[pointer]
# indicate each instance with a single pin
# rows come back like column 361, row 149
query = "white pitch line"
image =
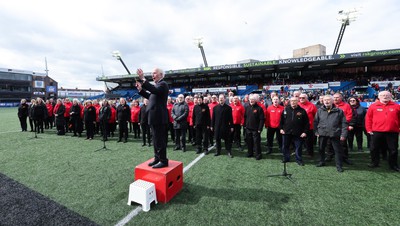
column 138, row 209
column 10, row 132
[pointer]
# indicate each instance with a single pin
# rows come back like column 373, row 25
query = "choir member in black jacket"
column 201, row 123
column 123, row 116
column 23, row 114
column 59, row 110
column 254, row 122
column 89, row 116
column 222, row 125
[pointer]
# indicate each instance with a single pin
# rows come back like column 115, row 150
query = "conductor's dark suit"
column 157, row 116
column 222, row 123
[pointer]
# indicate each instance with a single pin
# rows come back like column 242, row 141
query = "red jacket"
column 237, row 113
column 211, row 107
column 347, row 110
column 311, row 110
column 67, row 108
column 135, row 110
column 273, row 116
column 49, row 110
column 169, row 107
column 113, row 117
column 190, row 115
column 264, row 110
column 383, row 118
column 97, row 106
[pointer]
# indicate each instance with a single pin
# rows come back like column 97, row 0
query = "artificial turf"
column 216, row 191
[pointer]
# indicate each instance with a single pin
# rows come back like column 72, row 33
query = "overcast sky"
column 77, row 37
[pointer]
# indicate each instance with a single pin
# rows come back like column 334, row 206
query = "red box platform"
column 168, row 180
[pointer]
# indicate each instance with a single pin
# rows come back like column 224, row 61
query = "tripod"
column 283, row 174
column 104, row 139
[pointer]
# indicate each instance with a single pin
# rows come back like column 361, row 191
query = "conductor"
column 157, row 95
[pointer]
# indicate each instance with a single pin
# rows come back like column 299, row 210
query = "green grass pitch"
column 216, row 191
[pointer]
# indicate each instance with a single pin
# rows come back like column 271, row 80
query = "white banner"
column 213, row 90
column 385, row 83
column 334, row 84
column 297, row 87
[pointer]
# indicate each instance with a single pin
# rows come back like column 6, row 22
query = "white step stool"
column 142, row 192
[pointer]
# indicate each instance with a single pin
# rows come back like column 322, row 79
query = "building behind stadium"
column 22, row 84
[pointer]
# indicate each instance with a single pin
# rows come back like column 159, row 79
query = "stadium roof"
column 358, row 59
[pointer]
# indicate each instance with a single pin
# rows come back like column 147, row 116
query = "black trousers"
column 309, row 142
column 225, row 136
column 89, row 129
column 180, row 138
column 123, row 129
column 358, row 133
column 236, row 134
column 253, row 140
column 337, row 148
column 76, row 125
column 170, row 129
column 270, row 137
column 22, row 121
column 136, row 129
column 39, row 125
column 159, row 142
column 202, row 137
column 67, row 123
column 381, row 140
column 105, row 129
column 32, row 124
column 345, row 151
column 211, row 136
column 146, row 133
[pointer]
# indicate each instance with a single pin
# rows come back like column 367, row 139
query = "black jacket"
column 222, row 120
column 23, row 110
column 294, row 121
column 254, row 117
column 179, row 114
column 89, row 114
column 157, row 108
column 331, row 123
column 105, row 113
column 123, row 113
column 359, row 115
column 143, row 117
column 39, row 111
column 201, row 115
column 76, row 111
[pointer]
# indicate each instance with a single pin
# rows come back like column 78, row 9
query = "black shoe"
column 230, row 155
column 347, row 161
column 177, row 148
column 184, row 149
column 216, row 154
column 339, row 169
column 153, row 163
column 125, row 141
column 249, row 155
column 300, row 163
column 285, row 161
column 372, row 165
column 259, row 157
column 269, row 151
column 119, row 140
column 160, row 165
column 149, row 145
column 206, row 151
column 72, row 135
column 328, row 159
column 320, row 164
column 395, row 168
column 143, row 145
column 198, row 151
